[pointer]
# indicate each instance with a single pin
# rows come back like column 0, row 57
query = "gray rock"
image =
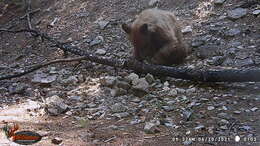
column 223, row 122
column 199, row 127
column 83, row 14
column 232, row 32
column 237, row 13
column 54, row 92
column 149, row 78
column 217, row 60
column 73, row 80
column 118, row 108
column 191, row 90
column 123, row 85
column 246, row 128
column 136, row 100
column 219, row 2
column 44, row 78
column 132, row 77
column 100, row 52
column 96, row 41
column 3, row 90
column 150, row 127
column 18, row 88
column 187, row 114
column 55, row 105
column 187, row 142
column 224, row 116
column 153, row 3
column 254, row 109
column 77, row 98
column 91, row 105
column 224, row 127
column 244, row 62
column 237, row 112
column 180, row 91
column 166, row 85
column 256, row 12
column 187, row 29
column 204, row 100
column 234, row 44
column 121, row 115
column 149, row 97
column 197, row 43
column 118, row 92
column 210, row 108
column 224, row 108
column 168, row 108
column 53, row 70
column 228, row 62
column 108, row 81
column 135, row 121
column 141, row 85
column 171, row 102
column 173, row 93
column 102, row 24
column 183, row 98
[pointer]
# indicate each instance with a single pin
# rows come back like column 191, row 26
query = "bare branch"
column 224, row 75
column 30, row 12
column 38, row 66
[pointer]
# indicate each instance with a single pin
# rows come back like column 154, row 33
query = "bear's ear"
column 126, row 28
column 144, row 29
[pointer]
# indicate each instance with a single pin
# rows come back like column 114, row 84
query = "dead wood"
column 38, row 66
column 224, row 75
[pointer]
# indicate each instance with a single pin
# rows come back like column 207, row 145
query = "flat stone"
column 187, row 29
column 102, row 24
column 118, row 92
column 96, row 41
column 244, row 62
column 117, row 108
column 210, row 108
column 237, row 13
column 100, row 52
column 256, row 12
column 108, row 81
column 121, row 115
column 168, row 108
column 44, row 78
column 199, row 127
column 141, row 84
column 149, row 78
column 131, row 77
column 232, row 32
column 254, row 109
column 173, row 93
column 150, row 127
column 219, row 2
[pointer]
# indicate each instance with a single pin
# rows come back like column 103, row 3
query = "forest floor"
column 85, row 103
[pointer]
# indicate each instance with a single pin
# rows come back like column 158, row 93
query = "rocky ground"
column 84, row 103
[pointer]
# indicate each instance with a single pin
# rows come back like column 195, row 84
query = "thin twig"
column 38, row 66
column 30, row 13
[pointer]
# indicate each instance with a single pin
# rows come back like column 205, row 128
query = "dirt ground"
column 95, row 24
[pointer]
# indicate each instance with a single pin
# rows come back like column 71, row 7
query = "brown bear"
column 156, row 36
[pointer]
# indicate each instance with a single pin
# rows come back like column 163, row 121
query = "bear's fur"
column 157, row 37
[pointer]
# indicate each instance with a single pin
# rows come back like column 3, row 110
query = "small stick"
column 38, row 66
column 30, row 12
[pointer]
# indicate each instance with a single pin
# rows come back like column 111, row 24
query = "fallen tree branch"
column 38, row 66
column 224, row 75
